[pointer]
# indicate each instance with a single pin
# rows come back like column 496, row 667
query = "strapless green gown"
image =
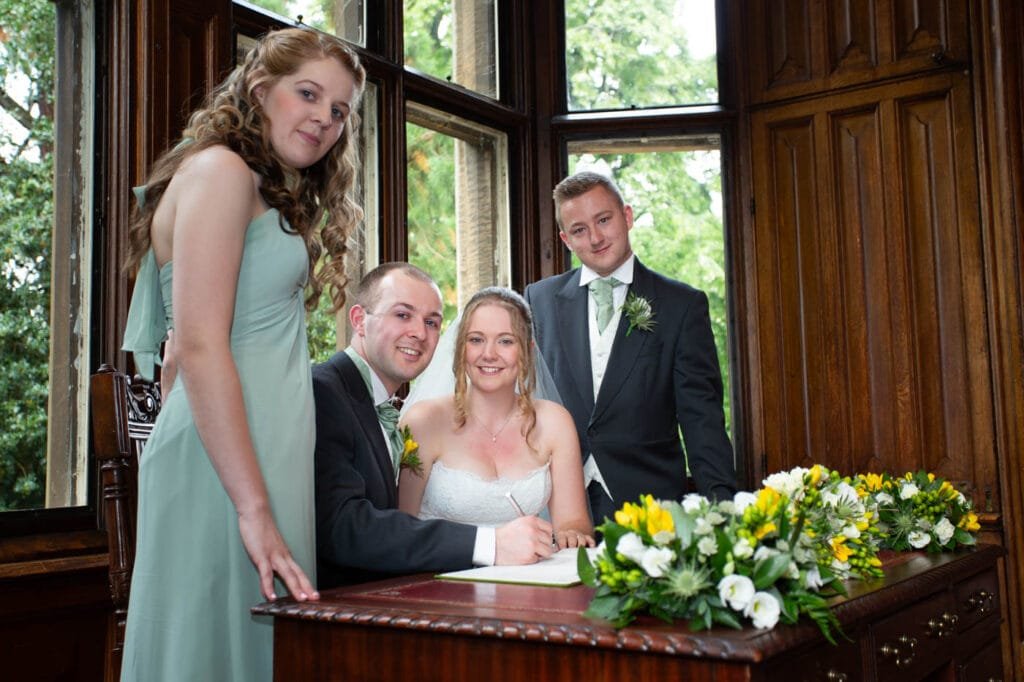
column 193, row 583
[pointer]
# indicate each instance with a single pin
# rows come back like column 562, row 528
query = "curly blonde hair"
column 315, row 201
column 522, row 329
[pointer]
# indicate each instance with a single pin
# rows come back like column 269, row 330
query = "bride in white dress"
column 490, row 450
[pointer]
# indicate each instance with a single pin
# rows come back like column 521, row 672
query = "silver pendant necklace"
column 494, row 435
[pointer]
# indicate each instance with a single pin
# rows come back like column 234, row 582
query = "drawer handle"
column 835, row 676
column 980, row 601
column 943, row 626
column 902, row 652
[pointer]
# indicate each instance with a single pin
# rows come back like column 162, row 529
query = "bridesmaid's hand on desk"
column 270, row 556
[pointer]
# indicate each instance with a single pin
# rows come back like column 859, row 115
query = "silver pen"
column 519, row 510
column 515, row 505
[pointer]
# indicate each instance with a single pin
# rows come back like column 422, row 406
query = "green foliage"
column 430, row 175
column 26, row 217
column 428, row 36
column 622, row 54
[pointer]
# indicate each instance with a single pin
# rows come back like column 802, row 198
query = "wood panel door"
column 869, row 311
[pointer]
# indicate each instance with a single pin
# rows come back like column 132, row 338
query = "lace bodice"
column 460, row 495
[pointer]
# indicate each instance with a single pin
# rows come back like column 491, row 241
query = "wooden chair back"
column 123, row 412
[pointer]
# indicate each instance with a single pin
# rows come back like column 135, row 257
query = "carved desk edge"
column 915, row 576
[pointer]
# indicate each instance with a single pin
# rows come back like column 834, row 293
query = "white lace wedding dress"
column 463, row 496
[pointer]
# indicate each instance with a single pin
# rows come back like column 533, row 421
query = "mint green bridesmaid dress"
column 193, row 583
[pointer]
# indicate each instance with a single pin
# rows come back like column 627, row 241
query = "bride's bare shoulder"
column 548, row 409
column 429, row 411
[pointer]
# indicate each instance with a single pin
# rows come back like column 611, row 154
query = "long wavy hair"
column 315, row 201
column 522, row 329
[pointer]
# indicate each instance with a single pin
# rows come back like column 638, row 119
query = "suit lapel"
column 625, row 349
column 367, row 421
column 571, row 308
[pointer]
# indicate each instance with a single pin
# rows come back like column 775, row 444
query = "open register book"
column 559, row 570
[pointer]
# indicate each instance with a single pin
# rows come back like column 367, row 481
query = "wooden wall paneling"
column 871, row 299
column 805, row 47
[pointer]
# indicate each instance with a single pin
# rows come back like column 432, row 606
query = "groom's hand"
column 522, row 541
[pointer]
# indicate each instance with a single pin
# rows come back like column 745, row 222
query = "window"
column 344, row 18
column 453, row 40
column 458, row 205
column 46, row 57
column 622, row 54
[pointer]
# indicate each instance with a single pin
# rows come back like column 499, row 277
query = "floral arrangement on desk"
column 776, row 554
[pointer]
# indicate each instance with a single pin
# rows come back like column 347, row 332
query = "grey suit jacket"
column 360, row 533
column 656, row 383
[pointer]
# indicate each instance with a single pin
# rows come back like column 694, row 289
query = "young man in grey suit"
column 361, row 535
column 630, row 390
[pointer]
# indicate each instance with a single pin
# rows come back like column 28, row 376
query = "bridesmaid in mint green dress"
column 226, row 236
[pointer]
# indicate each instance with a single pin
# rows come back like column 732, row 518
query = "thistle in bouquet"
column 920, row 511
column 710, row 563
column 842, row 529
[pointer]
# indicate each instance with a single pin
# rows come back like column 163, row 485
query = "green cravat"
column 602, row 289
column 388, row 416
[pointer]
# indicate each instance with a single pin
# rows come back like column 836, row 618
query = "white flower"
column 908, row 490
column 703, row 526
column 763, row 610
column 692, row 502
column 792, row 571
column 884, row 498
column 764, row 552
column 943, row 530
column 918, row 539
column 707, row 545
column 812, row 580
column 632, row 547
column 663, row 537
column 960, row 499
column 737, row 591
column 727, row 507
column 742, row 549
column 714, row 518
column 742, row 500
column 786, row 482
column 656, row 560
column 851, row 532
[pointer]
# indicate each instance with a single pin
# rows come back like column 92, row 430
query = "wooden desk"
column 933, row 617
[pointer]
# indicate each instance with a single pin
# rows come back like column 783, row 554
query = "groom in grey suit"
column 630, row 390
column 360, row 533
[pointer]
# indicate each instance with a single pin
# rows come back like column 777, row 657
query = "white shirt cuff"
column 484, row 547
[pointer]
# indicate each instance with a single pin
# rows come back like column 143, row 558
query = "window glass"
column 457, row 204
column 45, row 265
column 676, row 195
column 453, row 40
column 622, row 54
column 344, row 18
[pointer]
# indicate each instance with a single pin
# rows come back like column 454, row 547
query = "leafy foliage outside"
column 26, row 217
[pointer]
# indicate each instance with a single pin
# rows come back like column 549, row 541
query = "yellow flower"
column 815, row 474
column 410, row 446
column 764, row 529
column 969, row 522
column 629, row 516
column 658, row 518
column 839, row 548
column 873, row 482
column 768, row 501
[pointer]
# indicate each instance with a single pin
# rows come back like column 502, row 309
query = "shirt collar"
column 623, row 273
column 374, row 385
